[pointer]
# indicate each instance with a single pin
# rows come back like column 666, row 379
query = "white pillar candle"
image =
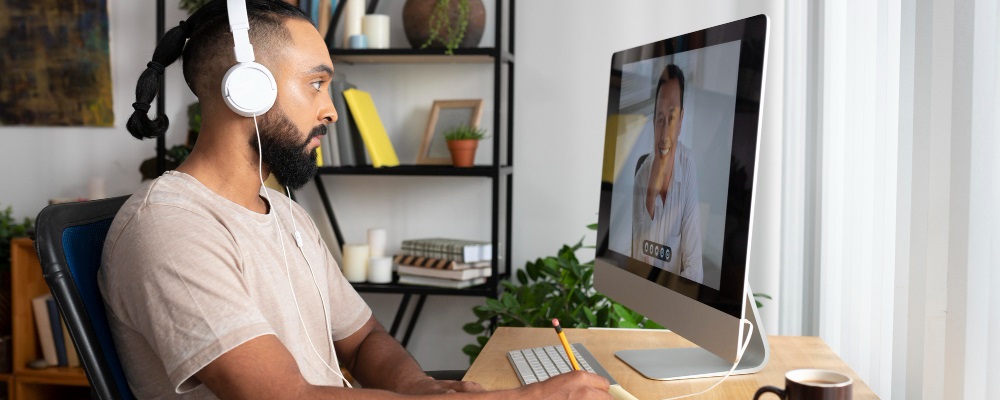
column 354, row 10
column 355, row 266
column 376, row 27
column 376, row 242
column 380, row 270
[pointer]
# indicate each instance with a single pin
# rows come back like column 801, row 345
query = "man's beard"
column 287, row 159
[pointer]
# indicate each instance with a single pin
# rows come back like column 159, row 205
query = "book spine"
column 344, row 135
column 462, row 251
column 423, row 262
column 44, row 328
column 57, row 336
column 72, row 357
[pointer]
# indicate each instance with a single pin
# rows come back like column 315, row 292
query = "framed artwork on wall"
column 56, row 64
column 446, row 114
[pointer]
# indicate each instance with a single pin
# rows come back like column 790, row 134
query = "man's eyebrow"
column 321, row 68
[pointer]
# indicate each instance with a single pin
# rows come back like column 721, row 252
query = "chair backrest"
column 69, row 240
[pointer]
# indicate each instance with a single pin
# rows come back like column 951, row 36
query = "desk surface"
column 493, row 371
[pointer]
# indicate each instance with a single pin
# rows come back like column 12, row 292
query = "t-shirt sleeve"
column 187, row 295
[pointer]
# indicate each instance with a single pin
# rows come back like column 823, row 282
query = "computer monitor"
column 677, row 190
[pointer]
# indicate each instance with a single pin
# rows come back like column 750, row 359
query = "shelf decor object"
column 444, row 24
column 446, row 115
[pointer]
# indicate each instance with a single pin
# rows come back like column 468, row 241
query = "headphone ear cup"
column 249, row 89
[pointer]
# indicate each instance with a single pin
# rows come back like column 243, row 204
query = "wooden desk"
column 493, row 371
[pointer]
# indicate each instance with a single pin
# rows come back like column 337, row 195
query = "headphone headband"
column 239, row 25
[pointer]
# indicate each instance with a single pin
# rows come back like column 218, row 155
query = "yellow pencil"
column 565, row 343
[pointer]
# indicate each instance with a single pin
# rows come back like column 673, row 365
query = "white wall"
column 563, row 54
column 40, row 163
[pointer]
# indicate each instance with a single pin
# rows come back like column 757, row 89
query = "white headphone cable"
column 323, row 302
column 260, row 174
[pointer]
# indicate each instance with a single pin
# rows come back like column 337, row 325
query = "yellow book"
column 370, row 126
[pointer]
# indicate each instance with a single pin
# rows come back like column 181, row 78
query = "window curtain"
column 891, row 186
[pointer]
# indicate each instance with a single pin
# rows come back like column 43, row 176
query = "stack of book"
column 53, row 338
column 429, row 271
column 463, row 251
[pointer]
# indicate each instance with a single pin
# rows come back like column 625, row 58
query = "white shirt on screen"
column 674, row 223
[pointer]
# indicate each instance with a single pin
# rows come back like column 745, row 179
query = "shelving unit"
column 500, row 172
column 25, row 383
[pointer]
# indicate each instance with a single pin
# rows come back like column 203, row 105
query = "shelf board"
column 70, row 376
column 418, row 170
column 479, row 290
column 479, row 55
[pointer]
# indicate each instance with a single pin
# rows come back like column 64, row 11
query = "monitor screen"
column 679, row 161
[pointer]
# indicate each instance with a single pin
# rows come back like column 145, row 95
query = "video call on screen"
column 681, row 230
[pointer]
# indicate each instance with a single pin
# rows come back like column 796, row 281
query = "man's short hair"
column 670, row 72
column 209, row 52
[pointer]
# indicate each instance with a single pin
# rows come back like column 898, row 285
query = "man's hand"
column 575, row 385
column 432, row 386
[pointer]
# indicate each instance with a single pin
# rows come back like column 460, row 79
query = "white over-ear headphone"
column 248, row 88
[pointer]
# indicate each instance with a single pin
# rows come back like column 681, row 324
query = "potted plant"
column 462, row 143
column 447, row 24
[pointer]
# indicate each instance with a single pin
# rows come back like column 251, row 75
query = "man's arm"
column 262, row 368
column 378, row 361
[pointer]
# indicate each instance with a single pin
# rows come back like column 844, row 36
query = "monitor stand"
column 695, row 362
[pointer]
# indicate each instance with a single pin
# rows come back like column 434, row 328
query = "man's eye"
column 316, row 85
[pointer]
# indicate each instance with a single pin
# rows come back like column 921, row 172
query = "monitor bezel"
column 729, row 298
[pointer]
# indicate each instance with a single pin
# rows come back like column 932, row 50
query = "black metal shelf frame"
column 500, row 173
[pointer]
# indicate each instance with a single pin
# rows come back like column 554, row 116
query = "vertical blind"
column 900, row 128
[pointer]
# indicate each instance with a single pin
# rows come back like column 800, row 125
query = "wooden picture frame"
column 446, row 114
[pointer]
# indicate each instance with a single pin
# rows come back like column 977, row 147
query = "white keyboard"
column 540, row 363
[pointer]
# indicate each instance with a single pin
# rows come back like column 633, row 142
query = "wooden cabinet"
column 25, row 383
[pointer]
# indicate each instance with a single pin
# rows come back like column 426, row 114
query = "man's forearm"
column 383, row 357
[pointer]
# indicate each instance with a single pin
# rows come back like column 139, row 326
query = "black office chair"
column 69, row 239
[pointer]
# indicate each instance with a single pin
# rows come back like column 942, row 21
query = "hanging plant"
column 441, row 21
column 447, row 24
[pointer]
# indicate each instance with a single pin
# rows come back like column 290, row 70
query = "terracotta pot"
column 417, row 23
column 463, row 152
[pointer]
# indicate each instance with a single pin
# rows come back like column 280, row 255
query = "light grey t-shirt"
column 188, row 275
column 674, row 223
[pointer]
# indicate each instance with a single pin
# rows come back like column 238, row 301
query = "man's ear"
column 680, row 122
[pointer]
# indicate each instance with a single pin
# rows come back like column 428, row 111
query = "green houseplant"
column 462, row 143
column 557, row 286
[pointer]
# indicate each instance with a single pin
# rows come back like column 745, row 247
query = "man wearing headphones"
column 217, row 287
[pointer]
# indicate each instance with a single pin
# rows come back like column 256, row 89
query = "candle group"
column 368, row 261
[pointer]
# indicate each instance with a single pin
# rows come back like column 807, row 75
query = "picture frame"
column 444, row 115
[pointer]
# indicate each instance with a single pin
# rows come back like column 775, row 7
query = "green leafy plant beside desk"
column 555, row 287
column 552, row 287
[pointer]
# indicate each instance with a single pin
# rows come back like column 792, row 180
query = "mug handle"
column 772, row 389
